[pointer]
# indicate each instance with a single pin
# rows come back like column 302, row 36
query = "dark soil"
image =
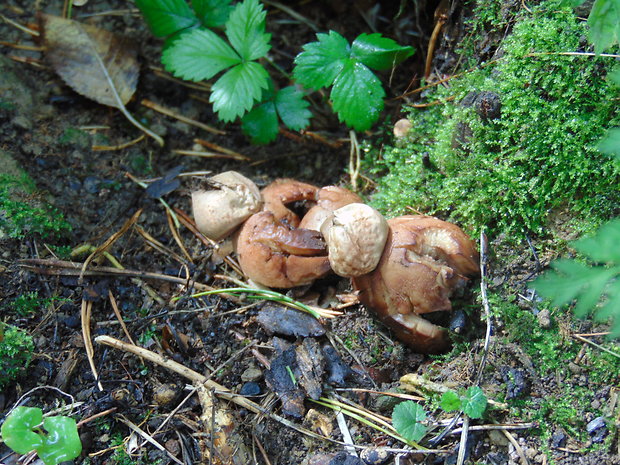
column 214, row 336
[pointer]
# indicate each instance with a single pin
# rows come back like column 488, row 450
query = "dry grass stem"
column 173, row 114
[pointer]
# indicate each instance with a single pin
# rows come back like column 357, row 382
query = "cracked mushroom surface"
column 424, row 261
column 272, row 250
column 227, row 201
column 328, row 199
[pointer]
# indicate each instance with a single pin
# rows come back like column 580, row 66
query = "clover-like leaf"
column 378, row 52
column 198, row 54
column 604, row 22
column 406, row 418
column 293, row 108
column 17, row 430
column 166, row 17
column 238, row 90
column 357, row 96
column 321, row 62
column 212, row 13
column 245, row 30
column 450, row 401
column 62, row 441
column 474, row 402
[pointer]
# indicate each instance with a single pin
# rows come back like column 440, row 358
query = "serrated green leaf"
column 564, row 283
column 166, row 17
column 357, row 96
column 611, row 143
column 261, row 123
column 450, row 401
column 571, row 3
column 611, row 308
column 614, row 75
column 293, row 108
column 198, row 54
column 603, row 247
column 62, row 441
column 604, row 22
column 590, row 294
column 245, row 30
column 238, row 89
column 17, row 430
column 322, row 61
column 406, row 418
column 212, row 13
column 378, row 52
column 474, row 402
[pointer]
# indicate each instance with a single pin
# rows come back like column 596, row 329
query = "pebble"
column 558, row 439
column 544, row 319
column 251, row 374
column 597, row 429
column 375, row 456
column 250, row 389
column 165, row 394
column 498, row 438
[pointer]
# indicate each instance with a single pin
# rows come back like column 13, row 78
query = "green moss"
column 21, row 213
column 536, row 161
column 16, row 348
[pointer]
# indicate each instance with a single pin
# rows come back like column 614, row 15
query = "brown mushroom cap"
column 424, row 260
column 283, row 192
column 355, row 235
column 231, row 199
column 273, row 254
column 328, row 199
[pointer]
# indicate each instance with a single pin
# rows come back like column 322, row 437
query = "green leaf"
column 602, row 247
column 378, row 52
column 17, row 430
column 165, row 17
column 614, row 75
column 198, row 54
column 261, row 123
column 212, row 13
column 474, row 402
column 611, row 143
column 357, row 96
column 62, row 442
column 406, row 418
column 611, row 308
column 245, row 30
column 321, row 62
column 293, row 108
column 562, row 284
column 604, row 22
column 450, row 401
column 238, row 89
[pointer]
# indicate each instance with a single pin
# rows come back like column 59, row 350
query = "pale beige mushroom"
column 355, row 235
column 424, row 261
column 327, row 200
column 229, row 199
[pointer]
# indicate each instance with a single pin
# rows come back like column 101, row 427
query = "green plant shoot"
column 356, row 95
column 473, row 403
column 168, row 17
column 55, row 439
column 594, row 286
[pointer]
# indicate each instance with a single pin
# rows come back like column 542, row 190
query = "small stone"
column 172, row 446
column 402, row 127
column 318, row 422
column 574, row 368
column 597, row 429
column 544, row 319
column 596, row 404
column 251, row 374
column 498, row 438
column 250, row 389
column 375, row 456
column 558, row 439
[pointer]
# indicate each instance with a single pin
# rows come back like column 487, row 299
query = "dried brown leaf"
column 94, row 62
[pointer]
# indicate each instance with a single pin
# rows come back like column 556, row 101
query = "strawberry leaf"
column 293, row 108
column 378, row 52
column 212, row 13
column 406, row 418
column 474, row 402
column 604, row 22
column 321, row 62
column 357, row 96
column 166, row 17
column 245, row 30
column 450, row 401
column 238, row 89
column 611, row 143
column 198, row 54
column 261, row 123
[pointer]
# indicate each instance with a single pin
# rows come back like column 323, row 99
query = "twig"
column 354, row 160
column 460, row 459
column 199, row 153
column 147, row 437
column 594, row 344
column 173, row 114
column 119, row 317
column 85, row 314
column 173, row 225
column 15, row 24
column 485, row 305
column 496, row 427
column 346, row 434
column 518, row 448
column 219, row 148
column 101, row 148
column 95, row 416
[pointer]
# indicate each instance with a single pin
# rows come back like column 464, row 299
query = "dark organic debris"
column 516, row 383
column 250, row 389
column 280, row 378
column 345, row 459
column 597, row 429
column 375, row 456
column 458, row 321
column 289, row 322
column 337, row 370
column 166, row 184
column 558, row 439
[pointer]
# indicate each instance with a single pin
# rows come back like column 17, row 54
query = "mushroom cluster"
column 292, row 233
